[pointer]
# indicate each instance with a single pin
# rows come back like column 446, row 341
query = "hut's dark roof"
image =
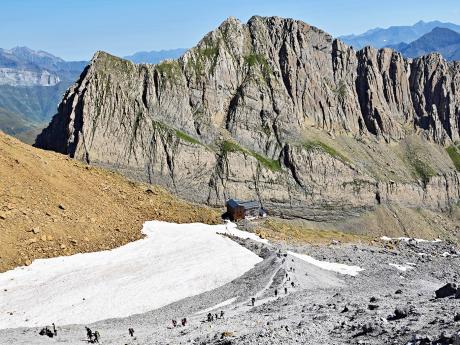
column 246, row 204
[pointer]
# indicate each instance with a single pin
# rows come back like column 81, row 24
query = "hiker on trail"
column 46, row 331
column 216, row 316
column 174, row 322
column 292, row 284
column 285, row 290
column 131, row 332
column 253, row 301
column 276, row 292
column 184, row 322
column 209, row 317
column 54, row 329
column 89, row 334
column 96, row 337
column 287, row 275
column 222, row 314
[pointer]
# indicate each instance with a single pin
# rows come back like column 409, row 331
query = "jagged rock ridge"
column 273, row 109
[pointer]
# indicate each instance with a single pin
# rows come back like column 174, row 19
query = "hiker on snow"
column 89, row 334
column 131, row 332
column 253, row 300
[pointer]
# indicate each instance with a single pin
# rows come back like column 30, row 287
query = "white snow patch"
column 447, row 254
column 402, row 267
column 231, row 229
column 329, row 266
column 407, row 239
column 172, row 262
column 220, row 305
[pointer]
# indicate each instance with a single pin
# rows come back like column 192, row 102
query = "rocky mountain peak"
column 274, row 109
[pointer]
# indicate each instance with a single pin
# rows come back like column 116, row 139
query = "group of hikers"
column 212, row 317
column 48, row 332
column 183, row 322
column 93, row 337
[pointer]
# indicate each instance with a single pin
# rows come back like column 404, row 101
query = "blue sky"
column 76, row 29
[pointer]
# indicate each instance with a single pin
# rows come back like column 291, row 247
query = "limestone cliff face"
column 273, row 109
column 15, row 77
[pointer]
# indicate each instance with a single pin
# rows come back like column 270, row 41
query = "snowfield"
column 329, row 266
column 407, row 239
column 172, row 262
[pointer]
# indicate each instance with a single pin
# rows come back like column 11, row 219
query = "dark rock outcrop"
column 447, row 290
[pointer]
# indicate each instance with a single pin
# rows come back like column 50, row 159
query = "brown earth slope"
column 51, row 205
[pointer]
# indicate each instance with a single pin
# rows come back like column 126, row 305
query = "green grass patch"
column 209, row 51
column 454, row 154
column 289, row 231
column 318, row 145
column 185, row 137
column 253, row 60
column 422, row 170
column 176, row 133
column 271, row 164
column 170, row 70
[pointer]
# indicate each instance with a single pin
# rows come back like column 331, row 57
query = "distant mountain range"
column 154, row 56
column 32, row 84
column 394, row 35
column 439, row 40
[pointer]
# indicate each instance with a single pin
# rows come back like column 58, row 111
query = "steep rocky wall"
column 277, row 110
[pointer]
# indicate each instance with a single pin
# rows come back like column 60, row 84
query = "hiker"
column 174, row 322
column 131, row 332
column 209, row 317
column 253, row 300
column 46, row 331
column 96, row 337
column 184, row 322
column 54, row 329
column 292, row 284
column 49, row 333
column 285, row 290
column 216, row 316
column 89, row 334
column 276, row 292
column 222, row 314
